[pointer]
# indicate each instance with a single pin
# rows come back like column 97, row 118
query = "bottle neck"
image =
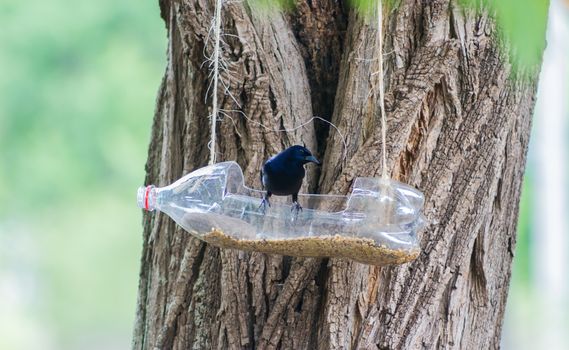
column 146, row 197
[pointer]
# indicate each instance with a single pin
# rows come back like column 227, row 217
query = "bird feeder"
column 376, row 224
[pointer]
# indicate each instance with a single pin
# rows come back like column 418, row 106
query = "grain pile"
column 364, row 250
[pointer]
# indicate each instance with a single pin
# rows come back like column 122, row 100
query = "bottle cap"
column 146, row 198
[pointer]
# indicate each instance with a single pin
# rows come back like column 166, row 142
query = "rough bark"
column 458, row 128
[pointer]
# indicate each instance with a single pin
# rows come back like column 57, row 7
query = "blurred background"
column 78, row 84
column 78, row 81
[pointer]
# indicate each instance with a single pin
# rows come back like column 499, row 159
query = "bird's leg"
column 265, row 202
column 295, row 206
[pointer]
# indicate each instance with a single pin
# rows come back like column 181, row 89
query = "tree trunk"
column 458, row 129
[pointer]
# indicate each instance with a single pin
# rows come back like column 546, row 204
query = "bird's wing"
column 263, row 174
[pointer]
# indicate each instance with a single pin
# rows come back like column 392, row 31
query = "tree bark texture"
column 458, row 129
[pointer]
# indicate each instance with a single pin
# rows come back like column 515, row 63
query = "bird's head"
column 301, row 154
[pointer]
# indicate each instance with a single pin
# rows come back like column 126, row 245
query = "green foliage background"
column 78, row 81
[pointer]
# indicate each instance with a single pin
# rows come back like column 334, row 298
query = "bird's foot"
column 264, row 204
column 295, row 209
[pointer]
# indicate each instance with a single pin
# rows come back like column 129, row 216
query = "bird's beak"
column 312, row 159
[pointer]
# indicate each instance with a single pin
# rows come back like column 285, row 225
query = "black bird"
column 282, row 174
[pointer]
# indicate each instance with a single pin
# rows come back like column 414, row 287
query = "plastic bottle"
column 376, row 224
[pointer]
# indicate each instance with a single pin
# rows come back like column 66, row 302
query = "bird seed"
column 363, row 250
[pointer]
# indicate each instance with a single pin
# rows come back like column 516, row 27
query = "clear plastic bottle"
column 376, row 224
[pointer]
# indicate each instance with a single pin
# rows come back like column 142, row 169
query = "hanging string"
column 216, row 49
column 216, row 62
column 381, row 88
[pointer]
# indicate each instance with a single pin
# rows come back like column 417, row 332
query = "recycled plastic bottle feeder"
column 376, row 224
